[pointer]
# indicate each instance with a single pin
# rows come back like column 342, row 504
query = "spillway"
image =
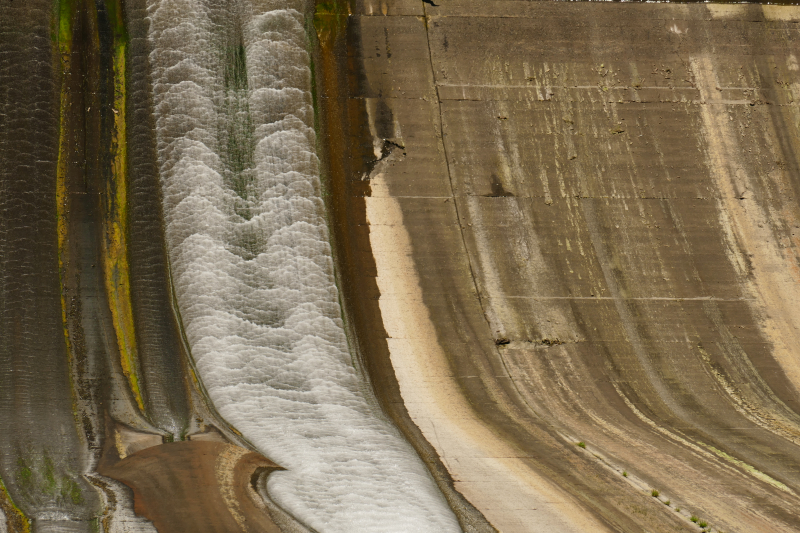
column 253, row 270
column 283, row 266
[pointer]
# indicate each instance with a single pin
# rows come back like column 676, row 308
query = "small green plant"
column 703, row 524
column 694, row 519
column 677, row 509
column 624, row 473
column 582, row 444
column 666, row 502
column 654, row 493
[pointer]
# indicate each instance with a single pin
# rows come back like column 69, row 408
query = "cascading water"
column 252, row 266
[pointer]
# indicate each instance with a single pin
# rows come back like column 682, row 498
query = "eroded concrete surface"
column 578, row 223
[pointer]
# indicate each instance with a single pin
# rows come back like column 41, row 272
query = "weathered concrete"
column 66, row 407
column 583, row 226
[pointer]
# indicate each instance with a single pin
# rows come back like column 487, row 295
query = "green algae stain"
column 236, row 68
column 49, row 477
column 63, row 14
column 65, row 11
column 16, row 521
column 72, row 491
column 330, row 18
column 115, row 242
column 39, row 480
column 24, row 474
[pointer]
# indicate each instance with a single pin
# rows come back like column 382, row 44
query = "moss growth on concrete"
column 39, row 479
column 115, row 243
column 330, row 19
column 16, row 521
column 64, row 13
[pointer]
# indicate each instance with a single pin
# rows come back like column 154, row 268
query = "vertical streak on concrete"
column 771, row 280
column 115, row 205
column 166, row 378
column 625, row 316
column 43, row 454
column 486, row 470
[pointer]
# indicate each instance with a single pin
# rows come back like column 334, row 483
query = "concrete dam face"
column 399, row 266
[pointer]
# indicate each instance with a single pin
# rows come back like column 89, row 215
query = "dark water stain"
column 163, row 359
column 498, row 191
column 347, row 152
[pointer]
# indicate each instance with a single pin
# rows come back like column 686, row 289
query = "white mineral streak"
column 256, row 292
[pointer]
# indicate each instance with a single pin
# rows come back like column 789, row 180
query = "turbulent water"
column 253, row 271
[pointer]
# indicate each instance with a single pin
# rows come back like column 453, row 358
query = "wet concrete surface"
column 43, row 451
column 162, row 355
column 599, row 206
column 68, row 412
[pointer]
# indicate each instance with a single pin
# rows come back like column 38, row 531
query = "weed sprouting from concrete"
column 582, row 444
column 654, row 493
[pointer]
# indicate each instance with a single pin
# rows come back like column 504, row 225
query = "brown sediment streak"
column 702, row 449
column 115, row 245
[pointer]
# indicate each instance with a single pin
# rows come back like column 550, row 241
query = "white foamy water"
column 253, row 272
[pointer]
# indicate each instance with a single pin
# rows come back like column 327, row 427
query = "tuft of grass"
column 677, row 509
column 624, row 473
column 654, row 493
column 703, row 524
column 694, row 519
column 582, row 444
column 666, row 502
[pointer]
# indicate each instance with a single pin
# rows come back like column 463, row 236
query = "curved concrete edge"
column 486, row 470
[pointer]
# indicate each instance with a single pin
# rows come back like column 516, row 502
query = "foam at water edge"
column 253, row 270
